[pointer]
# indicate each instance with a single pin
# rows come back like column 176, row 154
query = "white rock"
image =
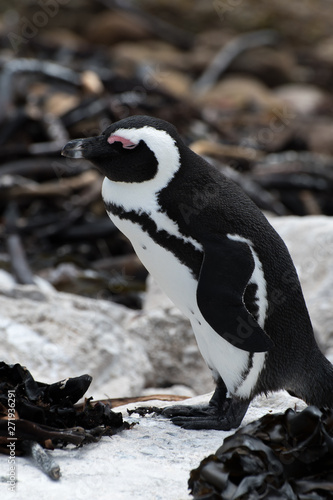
column 171, row 348
column 58, row 335
column 302, row 98
column 175, row 390
column 6, row 280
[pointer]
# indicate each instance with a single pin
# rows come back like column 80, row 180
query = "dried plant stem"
column 42, row 459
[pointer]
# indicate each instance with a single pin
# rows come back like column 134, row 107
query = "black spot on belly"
column 144, row 247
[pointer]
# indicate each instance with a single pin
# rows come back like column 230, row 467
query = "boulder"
column 57, row 335
column 171, row 345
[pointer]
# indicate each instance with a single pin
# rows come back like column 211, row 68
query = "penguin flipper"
column 225, row 273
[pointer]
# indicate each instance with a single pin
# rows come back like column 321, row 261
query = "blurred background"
column 248, row 83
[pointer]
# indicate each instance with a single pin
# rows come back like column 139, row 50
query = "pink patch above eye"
column 126, row 143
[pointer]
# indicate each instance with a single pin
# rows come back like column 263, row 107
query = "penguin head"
column 138, row 149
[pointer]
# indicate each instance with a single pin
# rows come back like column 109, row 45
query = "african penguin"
column 217, row 257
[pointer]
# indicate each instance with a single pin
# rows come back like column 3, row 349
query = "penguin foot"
column 209, row 416
column 196, row 417
column 186, row 411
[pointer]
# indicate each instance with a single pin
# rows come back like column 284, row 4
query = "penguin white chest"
column 174, row 278
column 177, row 281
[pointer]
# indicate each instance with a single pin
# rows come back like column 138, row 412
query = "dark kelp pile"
column 287, row 456
column 33, row 413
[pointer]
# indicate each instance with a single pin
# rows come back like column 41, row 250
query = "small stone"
column 6, row 280
column 319, row 138
column 304, row 99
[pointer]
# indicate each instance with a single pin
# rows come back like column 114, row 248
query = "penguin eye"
column 126, row 143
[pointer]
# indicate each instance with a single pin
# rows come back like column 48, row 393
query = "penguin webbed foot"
column 220, row 414
column 186, row 411
column 196, row 417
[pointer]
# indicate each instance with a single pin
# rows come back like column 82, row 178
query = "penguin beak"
column 74, row 149
column 88, row 148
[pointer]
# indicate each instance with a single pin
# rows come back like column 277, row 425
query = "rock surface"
column 59, row 335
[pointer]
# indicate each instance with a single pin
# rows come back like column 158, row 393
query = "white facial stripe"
column 142, row 195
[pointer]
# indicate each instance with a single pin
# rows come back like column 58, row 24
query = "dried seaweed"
column 146, row 410
column 287, row 456
column 228, row 53
column 46, row 413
